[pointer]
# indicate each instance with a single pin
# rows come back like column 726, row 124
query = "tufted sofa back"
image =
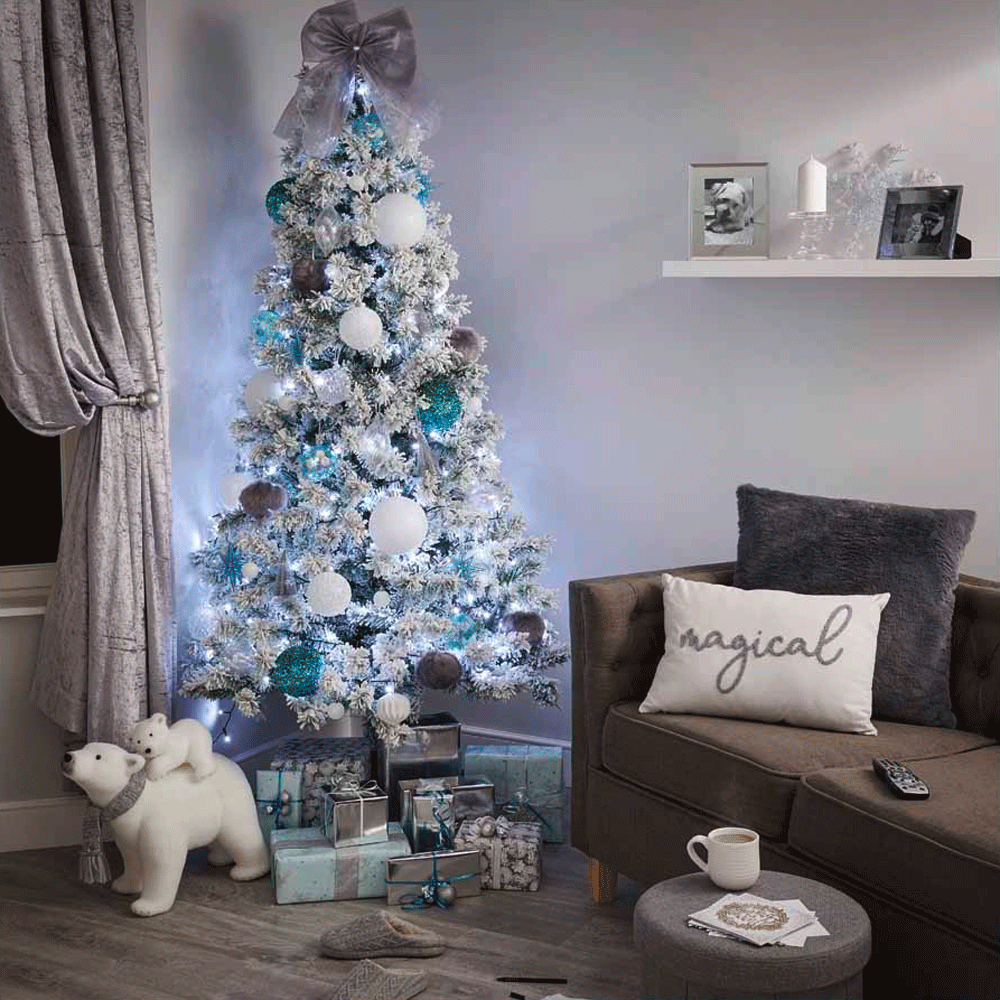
column 975, row 656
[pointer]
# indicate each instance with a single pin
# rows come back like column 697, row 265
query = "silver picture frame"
column 729, row 211
column 920, row 222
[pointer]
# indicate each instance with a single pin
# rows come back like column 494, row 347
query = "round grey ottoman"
column 682, row 961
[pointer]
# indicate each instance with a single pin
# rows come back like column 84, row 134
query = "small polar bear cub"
column 169, row 818
column 165, row 747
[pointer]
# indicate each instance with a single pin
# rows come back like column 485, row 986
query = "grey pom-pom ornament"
column 527, row 623
column 262, row 498
column 309, row 275
column 467, row 342
column 439, row 670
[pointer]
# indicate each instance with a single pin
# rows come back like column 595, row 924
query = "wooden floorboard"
column 224, row 940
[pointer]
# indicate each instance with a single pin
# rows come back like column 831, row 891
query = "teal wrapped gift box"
column 307, row 868
column 535, row 770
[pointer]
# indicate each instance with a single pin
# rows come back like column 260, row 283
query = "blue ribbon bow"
column 429, row 889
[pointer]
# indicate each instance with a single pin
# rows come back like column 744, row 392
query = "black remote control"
column 902, row 782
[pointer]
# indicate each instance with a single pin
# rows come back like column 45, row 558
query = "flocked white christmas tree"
column 368, row 547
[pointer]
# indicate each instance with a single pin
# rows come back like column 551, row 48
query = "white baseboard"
column 37, row 823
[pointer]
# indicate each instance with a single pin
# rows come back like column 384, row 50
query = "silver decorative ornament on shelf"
column 397, row 525
column 400, row 220
column 360, row 328
column 393, row 708
column 328, row 594
column 230, row 487
column 262, row 387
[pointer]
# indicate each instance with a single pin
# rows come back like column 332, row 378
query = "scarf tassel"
column 94, row 867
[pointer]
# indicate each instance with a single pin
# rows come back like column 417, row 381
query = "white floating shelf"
column 734, row 267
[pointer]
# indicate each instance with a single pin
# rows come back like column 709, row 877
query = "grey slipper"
column 382, row 933
column 369, row 981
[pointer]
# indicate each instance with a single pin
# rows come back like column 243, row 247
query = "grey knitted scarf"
column 93, row 863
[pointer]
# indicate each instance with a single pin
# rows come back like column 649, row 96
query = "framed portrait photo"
column 728, row 205
column 920, row 222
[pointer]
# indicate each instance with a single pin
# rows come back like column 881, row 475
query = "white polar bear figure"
column 187, row 741
column 169, row 818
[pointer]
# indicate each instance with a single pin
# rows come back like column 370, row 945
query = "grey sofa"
column 928, row 873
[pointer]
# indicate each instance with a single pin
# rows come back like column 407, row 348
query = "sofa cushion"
column 943, row 854
column 820, row 545
column 746, row 773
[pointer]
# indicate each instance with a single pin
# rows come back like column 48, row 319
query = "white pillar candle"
column 812, row 186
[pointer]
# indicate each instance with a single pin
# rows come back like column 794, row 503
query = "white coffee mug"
column 733, row 856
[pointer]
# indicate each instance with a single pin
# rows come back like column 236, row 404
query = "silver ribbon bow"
column 336, row 48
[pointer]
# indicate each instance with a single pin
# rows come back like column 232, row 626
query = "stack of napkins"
column 760, row 921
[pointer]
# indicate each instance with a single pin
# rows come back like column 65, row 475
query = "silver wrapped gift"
column 430, row 803
column 355, row 814
column 430, row 749
column 405, row 877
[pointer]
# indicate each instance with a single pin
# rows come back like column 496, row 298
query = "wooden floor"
column 62, row 940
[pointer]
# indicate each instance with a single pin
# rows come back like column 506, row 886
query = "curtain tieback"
column 147, row 399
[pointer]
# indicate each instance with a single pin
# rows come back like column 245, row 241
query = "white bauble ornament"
column 328, row 594
column 262, row 388
column 250, row 571
column 400, row 220
column 231, row 486
column 393, row 708
column 357, row 182
column 397, row 524
column 333, row 386
column 335, row 711
column 360, row 328
column 380, row 599
column 287, row 403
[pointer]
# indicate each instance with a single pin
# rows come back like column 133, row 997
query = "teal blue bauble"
column 279, row 194
column 317, row 462
column 297, row 670
column 444, row 406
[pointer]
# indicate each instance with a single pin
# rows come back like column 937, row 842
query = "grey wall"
column 634, row 405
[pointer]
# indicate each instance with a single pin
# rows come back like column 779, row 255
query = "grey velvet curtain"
column 80, row 330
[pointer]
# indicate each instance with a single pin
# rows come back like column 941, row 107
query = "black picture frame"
column 920, row 223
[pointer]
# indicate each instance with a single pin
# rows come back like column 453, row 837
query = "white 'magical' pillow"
column 769, row 655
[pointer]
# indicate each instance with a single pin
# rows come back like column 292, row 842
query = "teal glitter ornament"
column 297, row 670
column 279, row 194
column 424, row 191
column 317, row 462
column 444, row 406
column 464, row 628
column 265, row 327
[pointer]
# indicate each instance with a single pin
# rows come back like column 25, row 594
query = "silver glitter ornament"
column 333, row 386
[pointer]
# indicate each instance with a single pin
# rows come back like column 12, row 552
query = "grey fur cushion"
column 818, row 545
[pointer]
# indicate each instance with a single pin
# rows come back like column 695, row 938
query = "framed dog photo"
column 920, row 222
column 729, row 210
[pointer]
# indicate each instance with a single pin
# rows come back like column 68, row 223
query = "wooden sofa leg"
column 603, row 882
